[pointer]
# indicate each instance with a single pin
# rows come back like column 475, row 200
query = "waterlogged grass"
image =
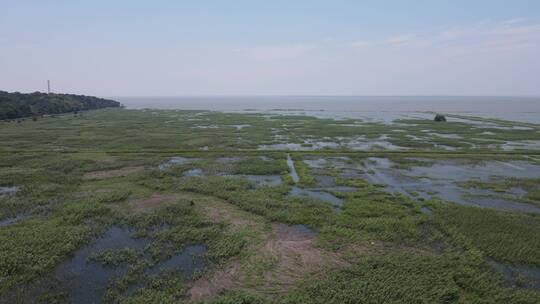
column 304, row 173
column 123, row 130
column 169, row 288
column 504, row 186
column 258, row 166
column 504, row 236
column 389, row 249
column 409, row 278
column 368, row 214
column 170, row 228
column 34, row 247
column 270, row 202
column 372, row 214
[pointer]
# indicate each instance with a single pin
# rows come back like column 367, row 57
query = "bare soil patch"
column 289, row 254
column 296, row 256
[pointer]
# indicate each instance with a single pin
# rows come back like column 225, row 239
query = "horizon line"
column 312, row 95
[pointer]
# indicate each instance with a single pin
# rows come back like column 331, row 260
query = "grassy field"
column 176, row 181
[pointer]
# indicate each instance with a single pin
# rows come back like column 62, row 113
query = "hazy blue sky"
column 160, row 48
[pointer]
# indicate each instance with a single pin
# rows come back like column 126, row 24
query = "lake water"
column 526, row 109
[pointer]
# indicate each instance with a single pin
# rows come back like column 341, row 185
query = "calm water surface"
column 526, row 109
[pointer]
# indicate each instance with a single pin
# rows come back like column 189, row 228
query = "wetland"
column 275, row 206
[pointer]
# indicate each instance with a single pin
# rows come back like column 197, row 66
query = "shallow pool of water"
column 316, row 194
column 518, row 275
column 232, row 159
column 12, row 220
column 483, row 171
column 240, row 127
column 188, row 261
column 193, row 172
column 441, row 180
column 86, row 281
column 8, row 190
column 324, row 181
column 176, row 161
column 260, row 180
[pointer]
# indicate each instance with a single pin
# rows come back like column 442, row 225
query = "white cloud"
column 484, row 36
column 275, row 52
column 361, row 44
column 400, row 40
column 513, row 21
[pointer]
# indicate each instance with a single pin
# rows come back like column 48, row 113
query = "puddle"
column 260, row 180
column 358, row 143
column 308, row 145
column 440, row 180
column 322, row 163
column 229, row 159
column 517, row 191
column 316, row 194
column 284, row 146
column 205, row 127
column 176, row 161
column 292, row 169
column 445, row 147
column 193, row 172
column 240, row 127
column 483, row 171
column 361, row 143
column 189, row 261
column 12, row 220
column 518, row 275
column 426, row 210
column 304, row 230
column 416, row 138
column 351, row 173
column 445, row 135
column 8, row 190
column 324, row 181
column 518, row 145
column 86, row 281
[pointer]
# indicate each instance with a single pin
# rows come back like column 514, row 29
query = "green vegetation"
column 303, row 171
column 258, row 166
column 408, row 278
column 119, row 130
column 34, row 247
column 503, row 236
column 17, row 105
column 79, row 177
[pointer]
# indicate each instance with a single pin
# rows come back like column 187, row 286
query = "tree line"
column 17, row 105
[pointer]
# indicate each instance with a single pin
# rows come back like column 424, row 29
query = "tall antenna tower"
column 48, row 87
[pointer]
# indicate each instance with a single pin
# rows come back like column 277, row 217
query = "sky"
column 271, row 47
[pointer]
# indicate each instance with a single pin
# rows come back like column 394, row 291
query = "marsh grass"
column 416, row 257
column 409, row 278
column 503, row 236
